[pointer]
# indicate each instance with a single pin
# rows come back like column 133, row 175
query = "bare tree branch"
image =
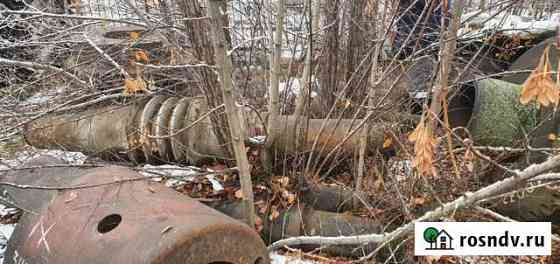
column 467, row 200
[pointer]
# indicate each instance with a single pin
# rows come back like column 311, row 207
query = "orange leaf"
column 424, row 144
column 134, row 36
column 419, row 201
column 132, row 86
column 540, row 86
column 289, row 196
column 388, row 142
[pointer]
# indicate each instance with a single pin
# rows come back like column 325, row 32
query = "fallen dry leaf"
column 274, row 214
column 284, row 181
column 379, row 184
column 290, row 197
column 132, row 86
column 238, row 194
column 419, row 201
column 387, row 142
column 134, row 36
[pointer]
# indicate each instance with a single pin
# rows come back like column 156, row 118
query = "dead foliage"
column 424, row 144
column 132, row 86
column 540, row 86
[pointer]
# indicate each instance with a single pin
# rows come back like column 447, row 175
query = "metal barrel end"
column 132, row 221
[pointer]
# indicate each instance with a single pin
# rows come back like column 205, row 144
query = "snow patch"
column 37, row 98
column 276, row 258
column 508, row 24
column 73, row 158
column 293, row 86
column 6, row 232
column 178, row 176
column 401, row 169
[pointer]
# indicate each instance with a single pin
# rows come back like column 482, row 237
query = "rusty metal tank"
column 114, row 215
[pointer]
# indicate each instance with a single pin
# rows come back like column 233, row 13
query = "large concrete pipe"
column 492, row 112
column 163, row 129
column 132, row 221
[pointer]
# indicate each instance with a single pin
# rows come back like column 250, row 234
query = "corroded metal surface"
column 93, row 130
column 166, row 129
column 162, row 128
column 304, row 220
column 129, row 222
column 334, row 131
column 147, row 121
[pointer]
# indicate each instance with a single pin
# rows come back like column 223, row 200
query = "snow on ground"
column 281, row 259
column 5, row 234
column 509, row 24
column 73, row 158
column 6, row 230
column 178, row 176
column 292, row 87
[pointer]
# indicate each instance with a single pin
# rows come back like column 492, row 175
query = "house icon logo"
column 438, row 239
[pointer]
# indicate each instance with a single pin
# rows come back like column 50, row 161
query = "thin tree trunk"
column 197, row 31
column 223, row 61
column 328, row 68
column 274, row 101
column 379, row 31
column 307, row 70
column 447, row 53
column 482, row 5
column 356, row 45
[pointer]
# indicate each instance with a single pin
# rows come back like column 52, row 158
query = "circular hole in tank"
column 109, row 223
